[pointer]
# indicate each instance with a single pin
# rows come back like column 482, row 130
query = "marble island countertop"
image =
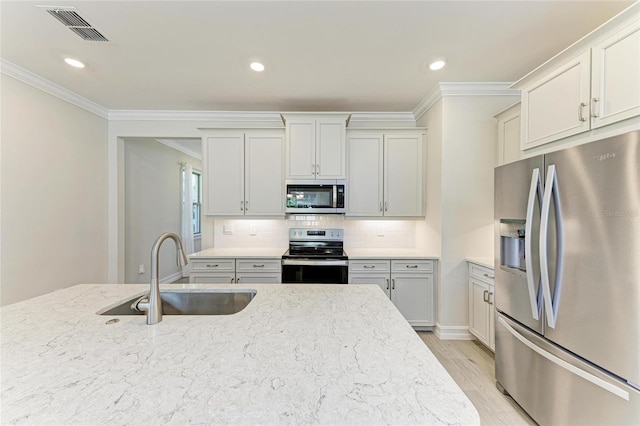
column 311, row 354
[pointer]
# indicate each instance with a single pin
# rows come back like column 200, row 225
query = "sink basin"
column 189, row 303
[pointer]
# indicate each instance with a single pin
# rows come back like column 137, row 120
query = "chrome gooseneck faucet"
column 153, row 305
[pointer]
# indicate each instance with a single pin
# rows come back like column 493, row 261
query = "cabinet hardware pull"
column 380, row 205
column 386, row 206
column 258, row 266
column 412, row 266
column 237, row 280
column 594, row 107
column 580, row 108
column 317, row 169
column 488, row 276
column 241, row 205
column 387, row 283
column 485, row 296
column 369, row 266
column 211, row 265
column 246, row 206
column 231, row 280
column 490, row 298
column 313, row 169
column 393, row 283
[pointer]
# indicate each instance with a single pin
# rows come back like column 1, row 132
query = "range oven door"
column 310, row 271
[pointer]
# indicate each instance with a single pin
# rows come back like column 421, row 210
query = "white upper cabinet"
column 365, row 191
column 509, row 135
column 264, row 173
column 386, row 173
column 223, row 173
column 316, row 146
column 557, row 105
column 594, row 83
column 615, row 77
column 243, row 172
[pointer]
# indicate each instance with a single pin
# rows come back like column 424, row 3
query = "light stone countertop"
column 487, row 262
column 384, row 253
column 249, row 252
column 297, row 354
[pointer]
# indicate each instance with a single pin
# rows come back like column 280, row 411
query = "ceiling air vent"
column 71, row 19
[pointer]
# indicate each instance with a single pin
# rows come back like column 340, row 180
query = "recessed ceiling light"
column 74, row 62
column 434, row 66
column 257, row 66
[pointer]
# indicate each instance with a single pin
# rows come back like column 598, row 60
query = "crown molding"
column 26, row 76
column 179, row 147
column 215, row 116
column 382, row 117
column 463, row 89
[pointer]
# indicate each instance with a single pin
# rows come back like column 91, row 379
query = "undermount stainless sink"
column 189, row 303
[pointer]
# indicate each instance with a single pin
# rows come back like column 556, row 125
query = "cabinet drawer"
column 372, row 266
column 258, row 265
column 482, row 273
column 213, row 265
column 412, row 266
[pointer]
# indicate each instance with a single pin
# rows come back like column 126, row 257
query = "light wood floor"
column 472, row 367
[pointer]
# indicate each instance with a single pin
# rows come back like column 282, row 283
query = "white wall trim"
column 378, row 117
column 171, row 278
column 178, row 147
column 215, row 116
column 26, row 76
column 453, row 333
column 463, row 89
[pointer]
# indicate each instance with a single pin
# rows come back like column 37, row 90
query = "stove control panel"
column 308, row 234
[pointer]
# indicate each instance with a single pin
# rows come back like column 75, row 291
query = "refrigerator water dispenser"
column 512, row 244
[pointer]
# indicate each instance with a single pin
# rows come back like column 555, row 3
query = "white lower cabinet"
column 481, row 304
column 239, row 271
column 408, row 283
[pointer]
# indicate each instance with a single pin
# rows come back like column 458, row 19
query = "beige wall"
column 54, row 194
column 461, row 150
column 152, row 179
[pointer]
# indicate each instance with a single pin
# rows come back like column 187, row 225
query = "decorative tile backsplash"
column 275, row 233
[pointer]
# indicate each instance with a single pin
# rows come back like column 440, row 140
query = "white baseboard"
column 171, row 278
column 453, row 333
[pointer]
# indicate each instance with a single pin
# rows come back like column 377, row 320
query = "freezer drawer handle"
column 551, row 304
column 561, row 363
column 535, row 192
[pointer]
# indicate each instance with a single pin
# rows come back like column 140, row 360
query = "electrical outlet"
column 227, row 229
column 252, row 230
column 141, row 269
column 380, row 231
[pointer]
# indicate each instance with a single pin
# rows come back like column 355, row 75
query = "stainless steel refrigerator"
column 567, row 244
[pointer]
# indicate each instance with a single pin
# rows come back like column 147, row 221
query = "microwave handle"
column 335, row 196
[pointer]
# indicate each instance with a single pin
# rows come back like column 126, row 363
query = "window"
column 196, row 191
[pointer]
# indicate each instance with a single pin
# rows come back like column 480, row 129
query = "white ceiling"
column 322, row 56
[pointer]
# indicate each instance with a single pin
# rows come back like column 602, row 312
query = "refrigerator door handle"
column 562, row 363
column 535, row 191
column 551, row 304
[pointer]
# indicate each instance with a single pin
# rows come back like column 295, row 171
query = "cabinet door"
column 492, row 319
column 479, row 310
column 365, row 192
column 257, row 278
column 212, row 278
column 413, row 295
column 330, row 149
column 223, row 186
column 557, row 106
column 300, row 149
column 382, row 280
column 403, row 175
column 509, row 135
column 264, row 169
column 616, row 77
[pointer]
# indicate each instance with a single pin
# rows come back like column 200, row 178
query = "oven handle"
column 309, row 262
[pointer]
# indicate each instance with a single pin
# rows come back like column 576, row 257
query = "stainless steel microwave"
column 316, row 196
